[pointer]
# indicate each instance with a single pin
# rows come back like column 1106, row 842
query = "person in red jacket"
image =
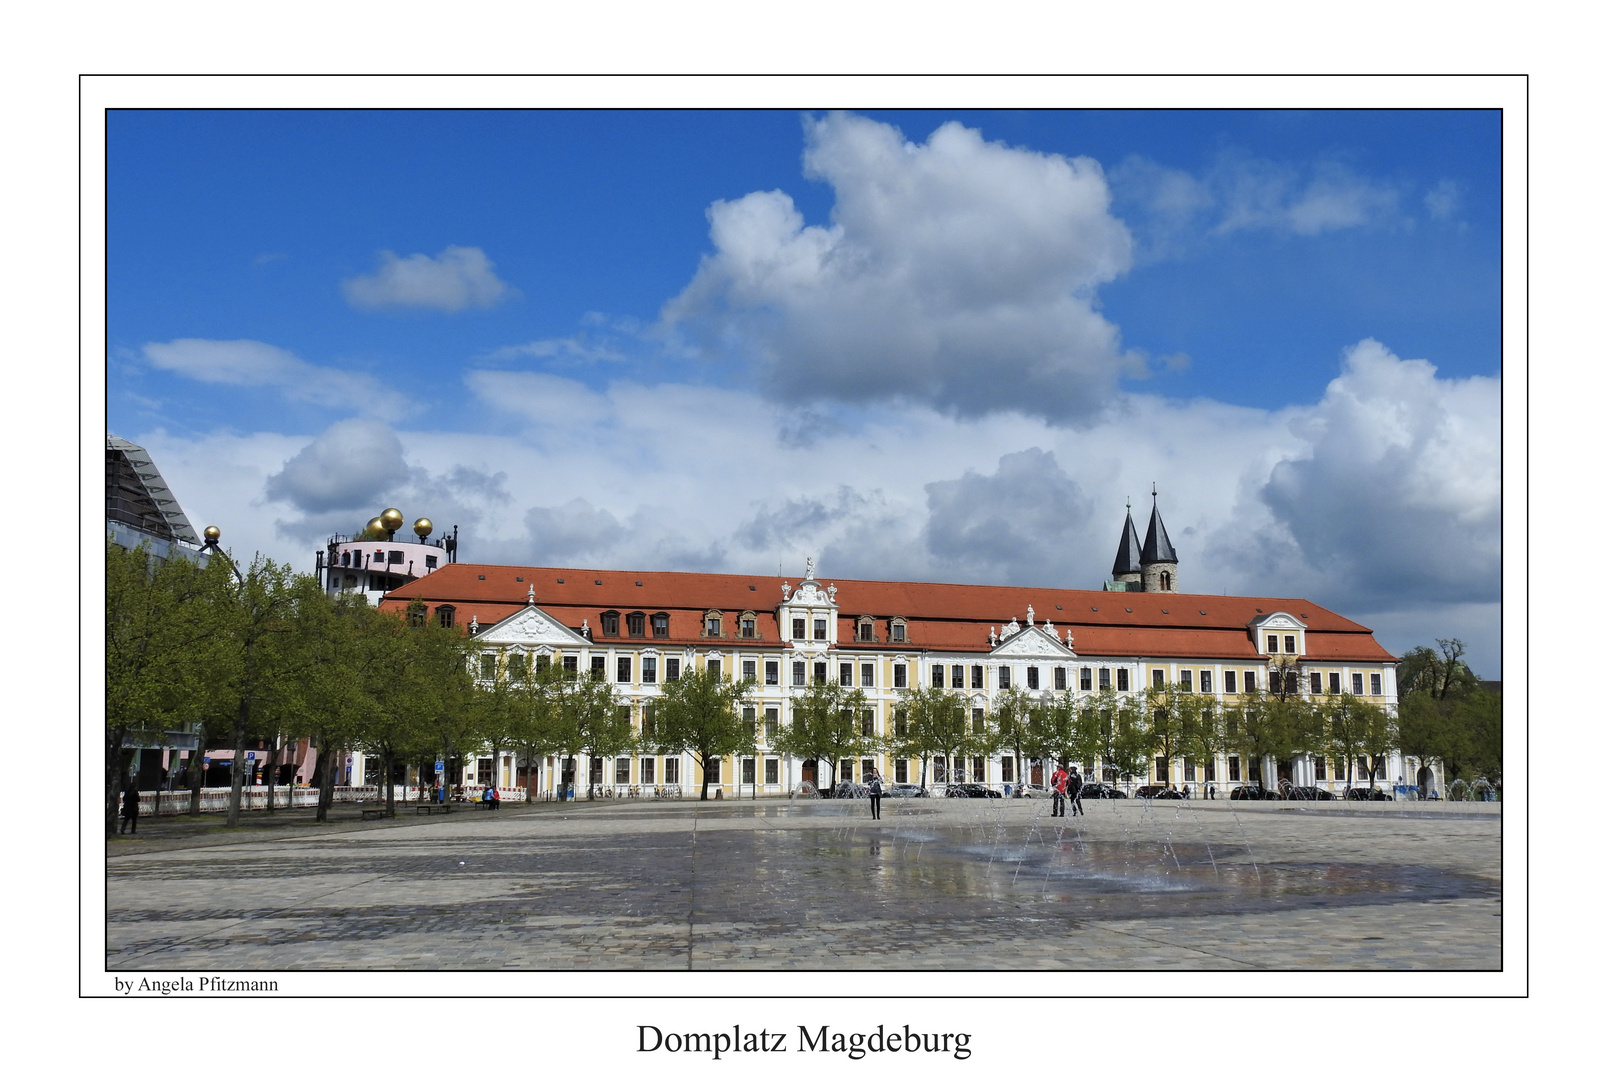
column 1058, row 792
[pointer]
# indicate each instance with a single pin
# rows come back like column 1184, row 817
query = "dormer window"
column 1289, row 643
column 712, row 624
column 610, row 621
column 896, row 631
column 445, row 614
column 636, row 624
column 1273, row 643
column 749, row 625
column 661, row 624
column 865, row 629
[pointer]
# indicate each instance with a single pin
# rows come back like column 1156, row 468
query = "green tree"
column 1131, row 741
column 825, row 727
column 1013, row 723
column 1439, row 672
column 1053, row 732
column 609, row 734
column 162, row 652
column 700, row 713
column 937, row 723
column 1257, row 729
column 1202, row 738
column 1168, row 709
column 1479, row 716
column 533, row 726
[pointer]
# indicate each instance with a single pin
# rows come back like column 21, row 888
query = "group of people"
column 1065, row 787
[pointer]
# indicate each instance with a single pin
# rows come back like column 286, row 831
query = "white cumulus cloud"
column 351, row 465
column 957, row 273
column 249, row 363
column 458, row 278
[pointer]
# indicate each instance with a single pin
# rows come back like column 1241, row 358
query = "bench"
column 432, row 808
column 373, row 811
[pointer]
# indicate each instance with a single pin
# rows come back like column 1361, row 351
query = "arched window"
column 661, row 624
column 896, row 631
column 1166, row 580
column 711, row 624
column 610, row 621
column 445, row 614
column 635, row 624
column 865, row 629
column 748, row 625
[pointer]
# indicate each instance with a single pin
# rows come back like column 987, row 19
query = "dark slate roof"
column 1157, row 547
column 1127, row 550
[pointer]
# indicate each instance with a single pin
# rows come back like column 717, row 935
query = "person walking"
column 131, row 809
column 1074, row 792
column 1058, row 792
column 874, row 786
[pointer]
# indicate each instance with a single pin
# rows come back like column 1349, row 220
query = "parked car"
column 848, row 789
column 1253, row 791
column 904, row 791
column 970, row 791
column 1095, row 789
column 1314, row 794
column 1031, row 791
column 1362, row 794
column 1157, row 791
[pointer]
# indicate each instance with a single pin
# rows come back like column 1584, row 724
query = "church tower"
column 1126, row 571
column 1158, row 562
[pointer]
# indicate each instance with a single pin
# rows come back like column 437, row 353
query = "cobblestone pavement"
column 937, row 883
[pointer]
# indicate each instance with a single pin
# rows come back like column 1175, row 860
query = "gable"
column 1277, row 620
column 1032, row 643
column 531, row 625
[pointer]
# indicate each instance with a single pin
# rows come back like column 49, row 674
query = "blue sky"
column 940, row 345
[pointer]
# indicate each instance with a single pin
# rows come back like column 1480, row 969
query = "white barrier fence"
column 216, row 800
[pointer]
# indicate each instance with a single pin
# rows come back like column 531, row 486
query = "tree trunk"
column 115, row 769
column 324, row 780
column 390, row 788
column 703, row 794
column 196, row 775
column 273, row 773
column 237, row 775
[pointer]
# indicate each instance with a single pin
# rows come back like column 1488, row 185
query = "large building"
column 640, row 629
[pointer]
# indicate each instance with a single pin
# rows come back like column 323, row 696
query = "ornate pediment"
column 1032, row 643
column 530, row 625
column 1277, row 620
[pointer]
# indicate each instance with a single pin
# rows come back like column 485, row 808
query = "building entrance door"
column 808, row 773
column 1038, row 774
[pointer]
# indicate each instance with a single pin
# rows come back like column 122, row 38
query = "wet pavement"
column 774, row 885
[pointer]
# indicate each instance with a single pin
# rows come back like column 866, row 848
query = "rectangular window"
column 820, row 629
column 1319, row 769
column 1158, row 678
column 635, row 624
column 868, row 674
column 798, row 673
column 1032, row 677
column 1228, row 683
column 1272, row 643
column 748, row 770
column 622, row 669
column 1060, row 678
column 901, row 725
column 798, row 629
column 1105, row 678
column 1205, row 682
column 1122, row 678
column 1004, row 678
column 661, row 625
column 1085, row 678
column 649, row 718
column 863, row 632
column 868, row 723
column 1356, row 683
column 748, row 632
column 897, row 632
column 1007, row 770
column 772, row 771
column 429, row 561
column 1289, row 643
column 978, row 682
column 845, row 674
column 712, row 771
column 1250, row 682
column 1233, row 769
column 1189, row 769
column 957, row 677
column 979, row 773
column 713, row 665
column 611, row 623
column 846, row 769
column 1334, row 682
column 750, row 671
column 899, row 682
column 393, row 557
column 1161, row 770
column 748, row 718
column 820, row 671
column 1184, row 681
column 570, row 662
column 712, row 626
column 488, row 666
column 901, row 771
column 647, row 770
column 672, row 669
column 598, row 665
column 516, row 666
column 770, row 726
column 622, row 770
column 1317, row 682
column 542, row 662
column 650, row 669
column 672, row 770
column 938, row 769
column 1374, row 685
column 1254, row 771
column 772, row 673
column 938, row 676
column 978, row 723
column 1211, row 772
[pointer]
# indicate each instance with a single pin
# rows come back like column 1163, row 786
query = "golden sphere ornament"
column 211, row 532
column 423, row 527
column 391, row 519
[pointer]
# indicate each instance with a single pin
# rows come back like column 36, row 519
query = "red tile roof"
column 938, row 616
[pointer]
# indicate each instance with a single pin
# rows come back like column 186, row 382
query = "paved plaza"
column 946, row 884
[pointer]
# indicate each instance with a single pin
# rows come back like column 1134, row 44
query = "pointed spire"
column 1127, row 548
column 1157, row 547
